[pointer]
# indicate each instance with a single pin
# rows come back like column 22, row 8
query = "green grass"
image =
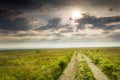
column 46, row 64
column 108, row 60
column 83, row 71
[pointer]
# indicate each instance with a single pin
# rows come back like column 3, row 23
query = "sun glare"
column 76, row 14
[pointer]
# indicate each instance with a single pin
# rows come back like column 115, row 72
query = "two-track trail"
column 98, row 74
column 68, row 73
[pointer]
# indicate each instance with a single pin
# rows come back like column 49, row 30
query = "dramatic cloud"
column 42, row 22
column 11, row 19
column 53, row 23
column 18, row 24
column 101, row 23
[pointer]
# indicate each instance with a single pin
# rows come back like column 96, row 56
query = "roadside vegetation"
column 44, row 64
column 108, row 60
column 83, row 71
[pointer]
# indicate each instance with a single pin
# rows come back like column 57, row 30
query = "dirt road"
column 69, row 71
column 98, row 74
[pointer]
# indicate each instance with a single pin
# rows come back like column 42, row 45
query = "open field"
column 45, row 64
column 108, row 60
column 48, row 64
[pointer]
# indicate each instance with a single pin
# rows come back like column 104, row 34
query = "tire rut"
column 68, row 73
column 98, row 74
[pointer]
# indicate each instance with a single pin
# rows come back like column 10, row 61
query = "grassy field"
column 46, row 64
column 108, row 60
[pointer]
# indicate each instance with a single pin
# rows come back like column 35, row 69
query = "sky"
column 59, row 23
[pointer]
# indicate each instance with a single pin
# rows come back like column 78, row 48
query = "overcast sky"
column 51, row 23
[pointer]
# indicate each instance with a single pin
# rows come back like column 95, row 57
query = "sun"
column 76, row 15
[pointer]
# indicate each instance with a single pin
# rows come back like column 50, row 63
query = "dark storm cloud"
column 11, row 11
column 16, row 4
column 10, row 19
column 100, row 23
column 6, row 14
column 18, row 24
column 31, row 4
column 109, row 3
column 25, row 3
column 53, row 23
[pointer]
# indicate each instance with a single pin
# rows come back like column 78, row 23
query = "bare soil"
column 68, row 73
